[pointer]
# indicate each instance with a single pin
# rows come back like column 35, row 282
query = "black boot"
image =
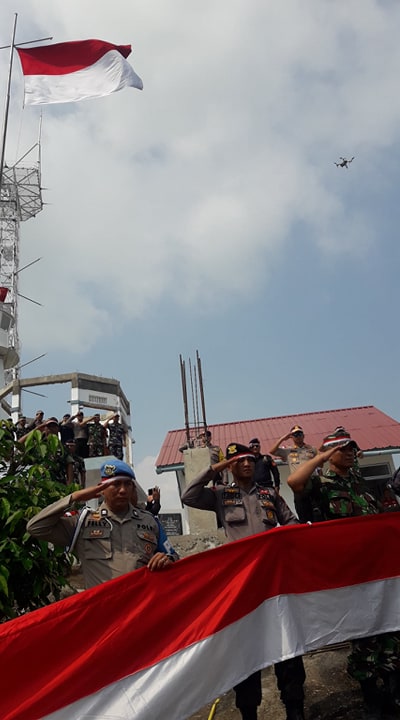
column 294, row 711
column 373, row 699
column 249, row 712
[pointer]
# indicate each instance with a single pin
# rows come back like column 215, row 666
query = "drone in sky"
column 344, row 162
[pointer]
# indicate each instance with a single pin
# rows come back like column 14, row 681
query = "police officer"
column 341, row 492
column 114, row 539
column 295, row 455
column 244, row 509
column 266, row 473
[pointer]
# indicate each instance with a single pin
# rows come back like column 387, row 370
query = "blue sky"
column 207, row 213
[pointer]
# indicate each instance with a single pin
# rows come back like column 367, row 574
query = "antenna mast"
column 197, row 399
column 185, row 400
column 20, row 199
column 7, row 103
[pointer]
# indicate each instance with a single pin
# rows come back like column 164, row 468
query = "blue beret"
column 116, row 468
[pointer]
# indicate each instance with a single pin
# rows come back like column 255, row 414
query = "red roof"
column 371, row 428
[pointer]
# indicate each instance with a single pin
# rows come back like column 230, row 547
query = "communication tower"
column 20, row 200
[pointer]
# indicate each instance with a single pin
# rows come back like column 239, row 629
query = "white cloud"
column 164, row 193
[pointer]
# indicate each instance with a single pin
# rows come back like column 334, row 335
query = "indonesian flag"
column 163, row 644
column 71, row 71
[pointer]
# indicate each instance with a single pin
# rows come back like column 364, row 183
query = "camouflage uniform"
column 335, row 497
column 60, row 460
column 79, row 469
column 116, row 440
column 96, row 439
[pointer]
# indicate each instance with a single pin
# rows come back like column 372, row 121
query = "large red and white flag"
column 71, row 71
column 163, row 644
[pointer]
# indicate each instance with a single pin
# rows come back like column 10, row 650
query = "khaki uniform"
column 107, row 545
column 295, row 456
column 241, row 513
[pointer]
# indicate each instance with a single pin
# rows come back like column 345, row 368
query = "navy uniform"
column 107, row 544
column 266, row 473
column 241, row 514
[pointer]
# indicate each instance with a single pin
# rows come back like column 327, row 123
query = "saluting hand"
column 326, row 454
column 87, row 493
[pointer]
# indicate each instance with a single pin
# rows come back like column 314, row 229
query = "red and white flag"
column 66, row 72
column 163, row 644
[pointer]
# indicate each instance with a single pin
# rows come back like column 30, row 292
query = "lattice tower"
column 20, row 199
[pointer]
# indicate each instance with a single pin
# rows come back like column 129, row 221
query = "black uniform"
column 266, row 473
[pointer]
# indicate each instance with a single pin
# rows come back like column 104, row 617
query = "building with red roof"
column 377, row 434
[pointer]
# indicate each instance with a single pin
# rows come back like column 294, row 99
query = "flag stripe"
column 109, row 74
column 64, row 58
column 127, row 627
column 169, row 690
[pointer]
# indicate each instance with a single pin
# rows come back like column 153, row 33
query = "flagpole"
column 28, row 42
column 7, row 104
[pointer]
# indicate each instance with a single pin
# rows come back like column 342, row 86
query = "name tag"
column 231, row 496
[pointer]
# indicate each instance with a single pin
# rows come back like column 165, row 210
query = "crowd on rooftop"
column 80, row 438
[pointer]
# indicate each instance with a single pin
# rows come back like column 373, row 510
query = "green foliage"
column 32, row 572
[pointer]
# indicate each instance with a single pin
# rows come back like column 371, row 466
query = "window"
column 372, row 472
column 97, row 400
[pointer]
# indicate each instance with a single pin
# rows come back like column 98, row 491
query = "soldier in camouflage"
column 342, row 492
column 116, row 436
column 97, row 437
column 78, row 468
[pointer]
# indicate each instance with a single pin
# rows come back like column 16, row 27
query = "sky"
column 206, row 212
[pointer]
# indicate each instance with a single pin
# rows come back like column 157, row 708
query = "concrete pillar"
column 196, row 460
